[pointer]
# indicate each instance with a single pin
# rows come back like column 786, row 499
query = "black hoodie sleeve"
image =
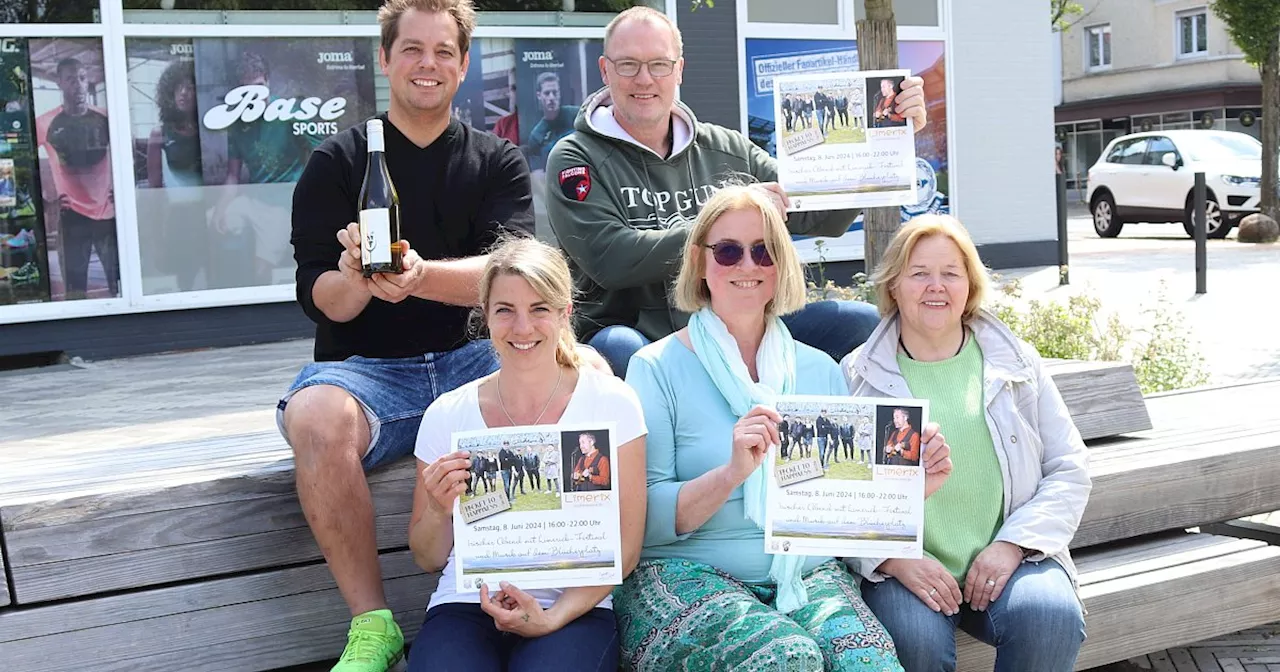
column 833, row 223
column 594, row 232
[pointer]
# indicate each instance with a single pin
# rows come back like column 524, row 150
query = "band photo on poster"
column 540, row 508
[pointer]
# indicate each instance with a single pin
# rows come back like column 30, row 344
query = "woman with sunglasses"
column 705, row 595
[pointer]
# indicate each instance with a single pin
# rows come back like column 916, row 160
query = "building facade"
column 152, row 145
column 1139, row 65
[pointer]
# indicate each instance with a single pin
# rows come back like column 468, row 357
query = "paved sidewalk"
column 1233, row 324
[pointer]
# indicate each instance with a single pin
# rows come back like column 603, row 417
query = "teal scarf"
column 776, row 366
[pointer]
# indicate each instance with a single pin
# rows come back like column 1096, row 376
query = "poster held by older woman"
column 853, row 508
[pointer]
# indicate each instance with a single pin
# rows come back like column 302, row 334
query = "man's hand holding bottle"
column 391, row 287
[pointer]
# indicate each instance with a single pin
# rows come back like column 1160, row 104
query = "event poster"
column 769, row 58
column 529, row 91
column 561, row 535
column 69, row 102
column 841, row 143
column 847, row 479
column 24, row 270
column 262, row 105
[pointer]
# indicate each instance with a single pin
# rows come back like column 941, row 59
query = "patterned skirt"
column 681, row 615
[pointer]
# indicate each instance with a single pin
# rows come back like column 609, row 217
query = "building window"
column 817, row 12
column 1193, row 38
column 1099, row 53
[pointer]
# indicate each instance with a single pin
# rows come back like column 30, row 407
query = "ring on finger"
column 933, row 591
column 991, row 583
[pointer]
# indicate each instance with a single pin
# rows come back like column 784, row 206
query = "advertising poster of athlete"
column 263, row 105
column 529, row 91
column 173, row 226
column 69, row 101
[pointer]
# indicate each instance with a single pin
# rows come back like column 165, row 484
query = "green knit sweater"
column 962, row 517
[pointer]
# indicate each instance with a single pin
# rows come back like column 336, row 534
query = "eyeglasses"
column 730, row 253
column 626, row 67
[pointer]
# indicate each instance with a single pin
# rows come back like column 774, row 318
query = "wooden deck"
column 157, row 491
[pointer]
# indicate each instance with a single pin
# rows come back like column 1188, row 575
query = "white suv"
column 1149, row 177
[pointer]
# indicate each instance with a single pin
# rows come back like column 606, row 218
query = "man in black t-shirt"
column 387, row 346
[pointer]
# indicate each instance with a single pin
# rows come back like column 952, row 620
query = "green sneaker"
column 29, row 274
column 374, row 644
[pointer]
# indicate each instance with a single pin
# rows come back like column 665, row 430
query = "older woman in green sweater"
column 996, row 534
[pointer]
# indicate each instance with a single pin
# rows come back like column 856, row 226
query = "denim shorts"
column 395, row 392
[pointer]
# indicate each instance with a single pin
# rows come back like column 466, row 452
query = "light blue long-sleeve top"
column 690, row 433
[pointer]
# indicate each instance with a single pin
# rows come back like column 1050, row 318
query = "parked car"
column 1150, row 177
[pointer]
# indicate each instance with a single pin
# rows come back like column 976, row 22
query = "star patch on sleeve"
column 575, row 182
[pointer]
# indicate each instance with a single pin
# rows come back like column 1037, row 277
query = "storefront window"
column 336, row 11
column 818, row 12
column 50, row 11
column 907, row 12
column 528, row 91
column 24, row 268
column 1246, row 120
column 222, row 128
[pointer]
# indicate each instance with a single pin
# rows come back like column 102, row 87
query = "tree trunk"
column 1270, row 129
column 878, row 50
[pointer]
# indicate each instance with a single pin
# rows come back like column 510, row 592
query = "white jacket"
column 1043, row 460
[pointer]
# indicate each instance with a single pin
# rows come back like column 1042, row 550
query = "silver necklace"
column 545, row 406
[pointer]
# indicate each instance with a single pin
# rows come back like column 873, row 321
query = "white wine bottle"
column 379, row 210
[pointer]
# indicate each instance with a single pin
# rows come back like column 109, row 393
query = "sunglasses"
column 730, row 253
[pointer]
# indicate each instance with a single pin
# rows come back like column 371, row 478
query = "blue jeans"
column 394, row 392
column 507, row 485
column 1035, row 625
column 462, row 638
column 822, row 451
column 834, row 327
column 616, row 343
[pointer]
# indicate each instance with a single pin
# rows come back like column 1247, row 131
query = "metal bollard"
column 1064, row 274
column 1202, row 234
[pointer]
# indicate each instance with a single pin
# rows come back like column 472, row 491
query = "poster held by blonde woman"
column 996, row 534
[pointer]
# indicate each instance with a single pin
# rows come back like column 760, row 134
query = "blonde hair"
column 545, row 269
column 641, row 13
column 463, row 13
column 691, row 292
column 895, row 260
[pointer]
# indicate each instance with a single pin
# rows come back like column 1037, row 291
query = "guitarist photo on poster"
column 901, row 444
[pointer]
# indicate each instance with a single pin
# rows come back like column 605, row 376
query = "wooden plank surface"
column 254, row 622
column 1163, row 605
column 4, row 574
column 90, row 555
column 1103, row 397
column 1148, row 485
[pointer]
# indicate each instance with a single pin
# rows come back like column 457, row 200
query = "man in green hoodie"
column 624, row 187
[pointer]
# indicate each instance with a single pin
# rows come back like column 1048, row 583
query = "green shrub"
column 1158, row 348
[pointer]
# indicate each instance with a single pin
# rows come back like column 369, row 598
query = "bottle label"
column 375, row 236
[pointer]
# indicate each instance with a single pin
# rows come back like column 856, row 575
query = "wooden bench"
column 181, row 515
column 1161, row 592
